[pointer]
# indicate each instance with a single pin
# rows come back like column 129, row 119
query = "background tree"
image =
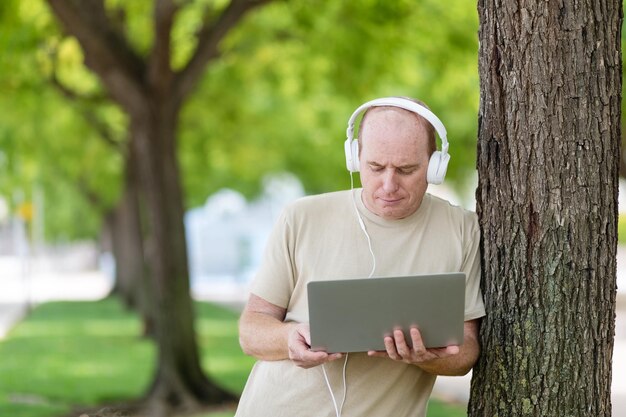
column 285, row 79
column 548, row 157
column 151, row 92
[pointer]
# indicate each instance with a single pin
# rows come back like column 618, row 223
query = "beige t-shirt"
column 319, row 238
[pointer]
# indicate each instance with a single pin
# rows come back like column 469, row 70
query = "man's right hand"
column 299, row 346
column 264, row 334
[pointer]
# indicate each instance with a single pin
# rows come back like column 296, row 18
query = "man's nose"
column 390, row 181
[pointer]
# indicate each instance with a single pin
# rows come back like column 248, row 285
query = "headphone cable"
column 362, row 224
column 339, row 409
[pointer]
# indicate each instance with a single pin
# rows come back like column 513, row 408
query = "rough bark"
column 548, row 162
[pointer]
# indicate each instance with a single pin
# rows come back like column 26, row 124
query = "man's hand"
column 299, row 346
column 398, row 350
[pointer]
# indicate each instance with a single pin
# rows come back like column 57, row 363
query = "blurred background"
column 264, row 125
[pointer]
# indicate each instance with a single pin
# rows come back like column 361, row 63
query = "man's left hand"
column 398, row 350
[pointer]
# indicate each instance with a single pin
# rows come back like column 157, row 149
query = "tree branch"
column 209, row 37
column 106, row 51
column 89, row 194
column 81, row 184
column 103, row 130
column 159, row 69
column 74, row 95
column 90, row 116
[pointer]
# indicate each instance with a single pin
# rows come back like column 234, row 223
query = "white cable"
column 362, row 224
column 339, row 409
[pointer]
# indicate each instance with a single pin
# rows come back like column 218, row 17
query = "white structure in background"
column 226, row 237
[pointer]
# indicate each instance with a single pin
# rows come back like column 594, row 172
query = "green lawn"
column 68, row 354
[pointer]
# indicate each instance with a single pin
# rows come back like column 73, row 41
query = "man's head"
column 430, row 129
column 395, row 146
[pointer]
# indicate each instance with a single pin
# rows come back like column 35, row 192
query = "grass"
column 68, row 354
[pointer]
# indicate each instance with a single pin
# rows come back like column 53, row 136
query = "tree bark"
column 179, row 382
column 548, row 163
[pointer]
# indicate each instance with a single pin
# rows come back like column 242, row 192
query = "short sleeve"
column 474, row 306
column 275, row 278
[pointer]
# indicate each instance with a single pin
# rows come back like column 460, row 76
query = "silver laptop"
column 355, row 315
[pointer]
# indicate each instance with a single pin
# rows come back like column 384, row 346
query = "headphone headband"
column 438, row 163
column 406, row 104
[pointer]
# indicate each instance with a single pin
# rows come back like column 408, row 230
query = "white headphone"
column 438, row 163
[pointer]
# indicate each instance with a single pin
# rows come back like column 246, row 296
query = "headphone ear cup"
column 437, row 167
column 351, row 148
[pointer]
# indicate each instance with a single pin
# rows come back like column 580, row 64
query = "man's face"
column 394, row 162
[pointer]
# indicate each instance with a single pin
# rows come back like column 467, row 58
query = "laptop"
column 354, row 315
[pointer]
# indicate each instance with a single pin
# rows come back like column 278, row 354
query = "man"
column 408, row 232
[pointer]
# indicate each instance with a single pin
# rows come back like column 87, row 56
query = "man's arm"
column 264, row 335
column 262, row 332
column 451, row 360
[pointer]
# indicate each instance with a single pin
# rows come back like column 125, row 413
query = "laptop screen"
column 355, row 315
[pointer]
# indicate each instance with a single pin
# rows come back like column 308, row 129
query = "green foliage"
column 277, row 98
column 292, row 73
column 45, row 143
column 61, row 155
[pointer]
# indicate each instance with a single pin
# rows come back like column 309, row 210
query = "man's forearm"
column 263, row 336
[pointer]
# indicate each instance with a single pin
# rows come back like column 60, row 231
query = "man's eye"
column 376, row 168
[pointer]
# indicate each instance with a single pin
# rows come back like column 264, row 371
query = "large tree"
column 285, row 79
column 548, row 158
column 151, row 92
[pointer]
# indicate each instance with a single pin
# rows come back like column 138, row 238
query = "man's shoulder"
column 323, row 201
column 443, row 206
column 317, row 206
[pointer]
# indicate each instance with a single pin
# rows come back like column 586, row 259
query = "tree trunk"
column 151, row 92
column 180, row 383
column 548, row 160
column 128, row 243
